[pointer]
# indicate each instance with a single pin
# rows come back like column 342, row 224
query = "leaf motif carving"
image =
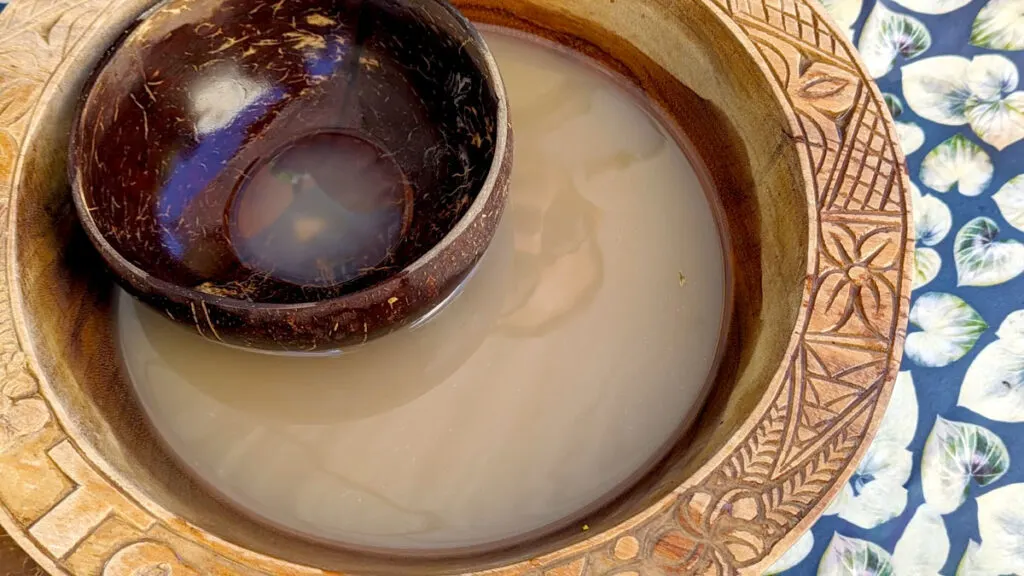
column 828, row 89
column 753, row 462
column 822, row 86
column 807, row 484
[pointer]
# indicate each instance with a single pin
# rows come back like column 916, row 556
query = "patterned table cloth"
column 941, row 489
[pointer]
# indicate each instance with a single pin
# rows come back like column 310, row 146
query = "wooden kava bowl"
column 799, row 154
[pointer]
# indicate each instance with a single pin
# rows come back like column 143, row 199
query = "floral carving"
column 731, row 525
column 679, row 551
column 856, row 289
column 715, row 531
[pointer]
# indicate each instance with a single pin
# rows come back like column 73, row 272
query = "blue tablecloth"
column 941, row 490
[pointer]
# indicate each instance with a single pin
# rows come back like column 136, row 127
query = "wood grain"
column 14, row 561
column 792, row 136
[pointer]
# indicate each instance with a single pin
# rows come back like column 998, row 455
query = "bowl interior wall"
column 680, row 54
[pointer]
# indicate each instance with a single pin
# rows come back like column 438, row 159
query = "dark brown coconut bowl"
column 298, row 176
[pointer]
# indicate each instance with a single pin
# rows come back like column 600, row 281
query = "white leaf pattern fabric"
column 955, row 454
column 844, row 12
column 1010, row 199
column 946, row 497
column 793, row 556
column 994, row 384
column 999, row 25
column 949, row 329
column 957, row 163
column 981, row 92
column 924, row 546
column 888, row 35
column 933, row 6
column 983, row 258
column 1001, row 525
column 854, row 557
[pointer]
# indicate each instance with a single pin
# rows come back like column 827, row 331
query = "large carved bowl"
column 798, row 152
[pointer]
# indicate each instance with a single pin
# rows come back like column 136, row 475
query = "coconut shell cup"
column 293, row 177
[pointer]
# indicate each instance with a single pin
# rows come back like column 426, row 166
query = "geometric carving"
column 866, row 176
column 823, row 362
column 794, row 20
column 793, row 456
column 81, row 511
column 853, row 157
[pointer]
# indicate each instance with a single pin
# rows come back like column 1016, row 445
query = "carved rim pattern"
column 735, row 515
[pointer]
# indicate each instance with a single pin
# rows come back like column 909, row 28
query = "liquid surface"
column 567, row 364
column 321, row 212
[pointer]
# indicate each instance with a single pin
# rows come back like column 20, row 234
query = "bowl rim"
column 129, row 272
column 751, row 23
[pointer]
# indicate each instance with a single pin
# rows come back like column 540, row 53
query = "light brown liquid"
column 569, row 362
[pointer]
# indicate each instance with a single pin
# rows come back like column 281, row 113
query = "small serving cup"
column 299, row 177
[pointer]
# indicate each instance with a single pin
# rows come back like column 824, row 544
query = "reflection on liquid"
column 566, row 364
column 559, row 266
